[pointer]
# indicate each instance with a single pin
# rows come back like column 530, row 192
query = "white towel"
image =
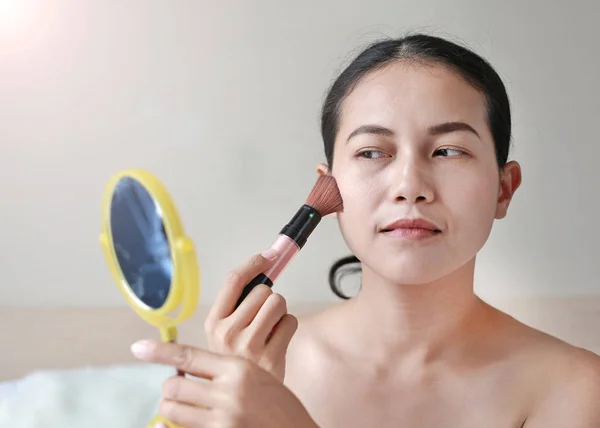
column 109, row 397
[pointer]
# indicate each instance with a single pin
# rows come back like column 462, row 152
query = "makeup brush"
column 324, row 199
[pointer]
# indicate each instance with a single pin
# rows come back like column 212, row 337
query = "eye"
column 371, row 154
column 449, row 152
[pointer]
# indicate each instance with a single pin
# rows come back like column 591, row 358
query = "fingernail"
column 160, row 425
column 270, row 254
column 140, row 349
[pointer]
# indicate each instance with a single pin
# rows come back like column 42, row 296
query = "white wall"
column 217, row 98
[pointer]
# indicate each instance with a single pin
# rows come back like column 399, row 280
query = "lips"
column 416, row 229
column 416, row 223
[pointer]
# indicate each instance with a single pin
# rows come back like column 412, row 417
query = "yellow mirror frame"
column 184, row 293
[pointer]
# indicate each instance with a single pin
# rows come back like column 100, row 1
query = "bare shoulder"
column 566, row 378
column 572, row 394
column 309, row 349
column 309, row 338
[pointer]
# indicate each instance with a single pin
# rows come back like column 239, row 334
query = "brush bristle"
column 325, row 196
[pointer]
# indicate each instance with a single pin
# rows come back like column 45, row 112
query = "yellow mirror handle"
column 159, row 418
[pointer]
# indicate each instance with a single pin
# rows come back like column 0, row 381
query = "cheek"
column 472, row 200
column 357, row 198
column 361, row 197
column 355, row 193
column 359, row 185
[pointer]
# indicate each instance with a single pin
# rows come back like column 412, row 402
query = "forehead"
column 414, row 94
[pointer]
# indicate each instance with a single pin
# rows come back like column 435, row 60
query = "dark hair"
column 429, row 49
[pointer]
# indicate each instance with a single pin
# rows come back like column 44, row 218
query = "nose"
column 412, row 183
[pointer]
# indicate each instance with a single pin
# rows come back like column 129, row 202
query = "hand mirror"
column 151, row 259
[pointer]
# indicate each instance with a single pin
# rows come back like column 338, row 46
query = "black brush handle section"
column 261, row 278
column 302, row 225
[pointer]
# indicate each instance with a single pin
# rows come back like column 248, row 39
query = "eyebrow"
column 370, row 129
column 448, row 127
column 443, row 128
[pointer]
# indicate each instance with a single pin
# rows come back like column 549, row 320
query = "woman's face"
column 414, row 143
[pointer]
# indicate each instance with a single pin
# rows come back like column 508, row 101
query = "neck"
column 424, row 321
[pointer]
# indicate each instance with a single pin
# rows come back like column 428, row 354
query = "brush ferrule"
column 302, row 225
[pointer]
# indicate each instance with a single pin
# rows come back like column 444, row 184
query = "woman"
column 416, row 133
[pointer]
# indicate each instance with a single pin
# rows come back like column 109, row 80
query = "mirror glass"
column 141, row 243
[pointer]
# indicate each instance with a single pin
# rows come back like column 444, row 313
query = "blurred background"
column 221, row 101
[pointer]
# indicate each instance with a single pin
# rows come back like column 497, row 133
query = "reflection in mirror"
column 141, row 243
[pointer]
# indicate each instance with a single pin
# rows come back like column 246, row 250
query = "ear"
column 323, row 169
column 510, row 180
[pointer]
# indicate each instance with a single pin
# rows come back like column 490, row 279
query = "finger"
column 271, row 312
column 251, row 306
column 190, row 392
column 279, row 341
column 197, row 362
column 185, row 415
column 226, row 300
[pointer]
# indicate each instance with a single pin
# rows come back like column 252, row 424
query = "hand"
column 260, row 329
column 232, row 392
